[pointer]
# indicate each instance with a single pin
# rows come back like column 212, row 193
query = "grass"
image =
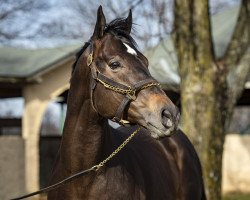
column 226, row 197
column 236, row 197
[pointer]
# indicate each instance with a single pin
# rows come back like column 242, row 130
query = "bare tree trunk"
column 206, row 104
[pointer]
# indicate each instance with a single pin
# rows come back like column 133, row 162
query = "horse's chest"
column 115, row 184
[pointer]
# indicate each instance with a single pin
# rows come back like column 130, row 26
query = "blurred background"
column 38, row 42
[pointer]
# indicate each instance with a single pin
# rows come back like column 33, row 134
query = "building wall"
column 49, row 147
column 12, row 173
column 236, row 164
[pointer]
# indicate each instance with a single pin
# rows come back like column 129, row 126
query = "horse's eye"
column 114, row 65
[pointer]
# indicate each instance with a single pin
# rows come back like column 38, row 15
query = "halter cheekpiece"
column 130, row 92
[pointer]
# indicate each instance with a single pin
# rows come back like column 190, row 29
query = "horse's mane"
column 116, row 27
column 78, row 54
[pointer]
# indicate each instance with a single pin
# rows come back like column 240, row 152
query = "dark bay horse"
column 110, row 80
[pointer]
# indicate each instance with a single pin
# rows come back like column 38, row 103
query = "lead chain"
column 116, row 89
column 125, row 91
column 150, row 85
column 117, row 150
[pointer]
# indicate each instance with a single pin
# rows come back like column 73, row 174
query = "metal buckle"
column 132, row 95
column 89, row 59
column 122, row 122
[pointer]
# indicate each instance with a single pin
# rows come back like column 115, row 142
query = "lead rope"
column 85, row 172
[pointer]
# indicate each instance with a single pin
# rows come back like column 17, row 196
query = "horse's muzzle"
column 170, row 117
column 164, row 122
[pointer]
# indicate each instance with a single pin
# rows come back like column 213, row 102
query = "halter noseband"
column 130, row 92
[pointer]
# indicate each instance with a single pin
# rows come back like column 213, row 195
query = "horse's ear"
column 100, row 24
column 129, row 22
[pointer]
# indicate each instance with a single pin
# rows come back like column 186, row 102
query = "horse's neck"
column 83, row 132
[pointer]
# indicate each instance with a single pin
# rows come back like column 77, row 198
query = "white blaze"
column 130, row 50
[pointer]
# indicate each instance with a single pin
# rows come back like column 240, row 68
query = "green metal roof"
column 22, row 63
column 162, row 58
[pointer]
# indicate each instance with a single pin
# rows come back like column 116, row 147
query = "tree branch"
column 237, row 58
column 236, row 80
column 240, row 41
column 14, row 9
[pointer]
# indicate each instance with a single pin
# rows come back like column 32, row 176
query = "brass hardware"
column 149, row 85
column 124, row 122
column 132, row 95
column 130, row 92
column 116, row 89
column 90, row 59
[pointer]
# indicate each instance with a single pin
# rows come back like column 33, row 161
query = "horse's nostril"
column 167, row 119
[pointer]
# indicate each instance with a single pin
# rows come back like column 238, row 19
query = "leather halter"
column 129, row 92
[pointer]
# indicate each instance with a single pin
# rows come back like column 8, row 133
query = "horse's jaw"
column 160, row 132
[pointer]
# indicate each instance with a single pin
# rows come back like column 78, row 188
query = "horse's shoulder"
column 176, row 149
column 144, row 162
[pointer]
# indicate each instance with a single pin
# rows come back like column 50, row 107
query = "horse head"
column 121, row 87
